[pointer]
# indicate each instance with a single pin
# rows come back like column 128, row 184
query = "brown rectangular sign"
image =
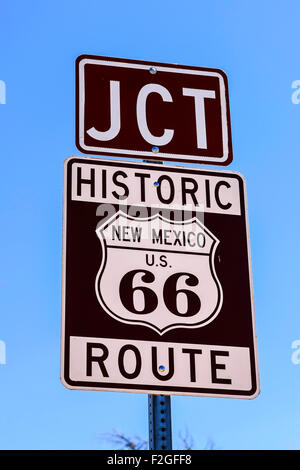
column 157, row 285
column 153, row 111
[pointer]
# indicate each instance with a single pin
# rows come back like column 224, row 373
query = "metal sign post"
column 160, row 428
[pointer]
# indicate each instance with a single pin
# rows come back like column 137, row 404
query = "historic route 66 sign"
column 157, row 292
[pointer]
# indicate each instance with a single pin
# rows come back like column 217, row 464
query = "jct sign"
column 152, row 110
column 157, row 292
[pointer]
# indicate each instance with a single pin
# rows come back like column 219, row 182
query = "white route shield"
column 144, row 261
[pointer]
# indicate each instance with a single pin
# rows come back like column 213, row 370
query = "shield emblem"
column 157, row 272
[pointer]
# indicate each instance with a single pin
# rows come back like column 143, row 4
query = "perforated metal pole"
column 160, row 429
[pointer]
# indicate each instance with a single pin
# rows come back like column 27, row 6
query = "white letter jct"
column 142, row 117
column 199, row 96
column 115, row 115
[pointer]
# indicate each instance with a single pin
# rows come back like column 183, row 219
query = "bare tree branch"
column 123, row 442
column 187, row 440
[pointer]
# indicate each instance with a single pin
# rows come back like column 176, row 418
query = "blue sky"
column 256, row 44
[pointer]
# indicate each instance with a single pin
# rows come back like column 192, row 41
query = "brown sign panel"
column 151, row 110
column 157, row 289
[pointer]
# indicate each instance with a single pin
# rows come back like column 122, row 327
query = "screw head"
column 156, row 183
column 153, row 70
column 161, row 369
column 155, row 149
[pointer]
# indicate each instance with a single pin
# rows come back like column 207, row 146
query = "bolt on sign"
column 157, row 290
column 144, row 109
